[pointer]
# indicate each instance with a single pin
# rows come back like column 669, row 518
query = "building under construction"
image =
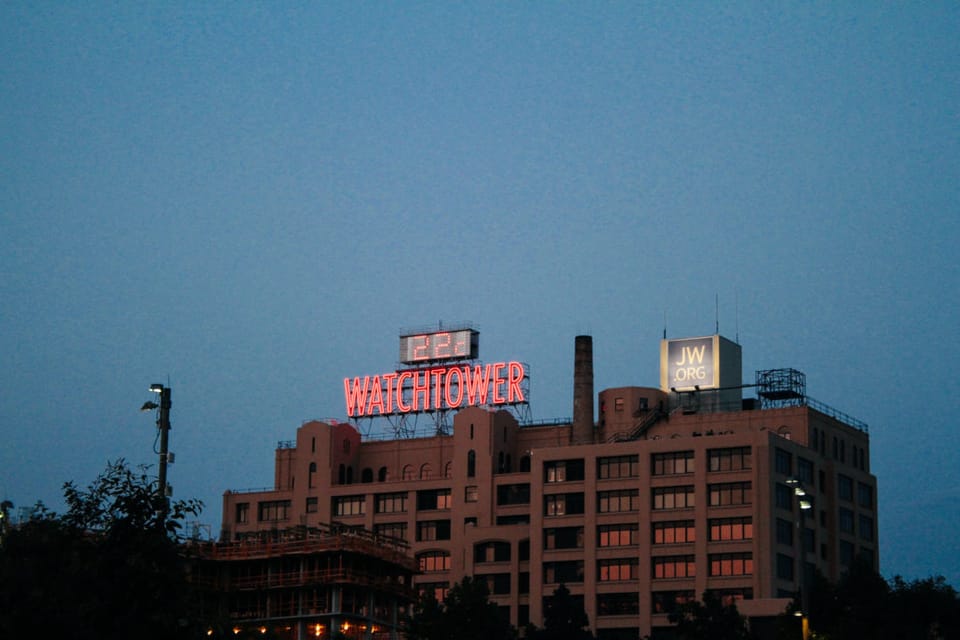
column 307, row 582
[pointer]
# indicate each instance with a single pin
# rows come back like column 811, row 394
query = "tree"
column 563, row 619
column 710, row 620
column 465, row 614
column 110, row 567
column 864, row 605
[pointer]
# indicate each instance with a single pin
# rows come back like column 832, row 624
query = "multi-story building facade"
column 668, row 494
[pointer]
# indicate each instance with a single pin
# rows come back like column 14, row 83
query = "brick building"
column 670, row 492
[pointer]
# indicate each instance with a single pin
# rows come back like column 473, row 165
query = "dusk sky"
column 248, row 202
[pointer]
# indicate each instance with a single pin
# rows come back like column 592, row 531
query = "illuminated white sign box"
column 709, row 362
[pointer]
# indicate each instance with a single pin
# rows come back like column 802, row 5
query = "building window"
column 311, row 470
column 866, row 528
column 471, row 493
column 618, row 467
column 494, row 551
column 673, row 497
column 562, row 504
column 563, row 538
column 392, row 502
column 618, row 405
column 366, row 475
column 243, row 512
column 723, row 529
column 523, row 518
column 432, row 561
column 670, row 601
column 618, row 501
column 731, row 564
column 730, row 493
column 382, row 474
column 844, row 488
column 391, row 529
column 312, row 505
column 783, row 462
column 846, row 553
column 730, row 597
column 667, row 567
column 618, row 569
column 508, row 494
column 672, row 463
column 784, row 567
column 617, row 535
column 567, row 572
column 438, row 590
column 426, row 472
column 784, row 532
column 433, row 499
column 350, row 505
column 471, row 463
column 675, row 532
column 563, row 471
column 865, row 495
column 783, row 496
column 498, row 584
column 428, row 530
column 273, row 510
column 730, row 459
column 805, row 473
column 407, row 473
column 845, row 520
column 618, row 604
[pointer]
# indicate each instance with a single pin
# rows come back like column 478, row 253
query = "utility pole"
column 163, row 424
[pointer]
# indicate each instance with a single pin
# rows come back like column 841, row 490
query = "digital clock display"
column 442, row 345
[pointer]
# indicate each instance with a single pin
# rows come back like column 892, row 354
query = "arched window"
column 525, row 464
column 426, row 472
column 349, row 475
column 342, row 474
column 312, row 471
column 407, row 472
column 500, row 463
column 448, row 470
column 366, row 475
column 471, row 463
column 382, row 474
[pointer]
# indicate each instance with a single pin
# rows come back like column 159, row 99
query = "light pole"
column 163, row 424
column 805, row 502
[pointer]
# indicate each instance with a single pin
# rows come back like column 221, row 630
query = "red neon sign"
column 433, row 388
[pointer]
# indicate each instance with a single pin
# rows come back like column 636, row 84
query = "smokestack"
column 582, row 432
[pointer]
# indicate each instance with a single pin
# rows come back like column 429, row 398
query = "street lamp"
column 805, row 502
column 163, row 424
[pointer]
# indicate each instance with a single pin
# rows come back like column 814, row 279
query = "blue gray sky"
column 248, row 201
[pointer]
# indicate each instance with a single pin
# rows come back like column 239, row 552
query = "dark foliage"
column 110, row 567
column 863, row 605
column 465, row 614
column 710, row 620
column 563, row 619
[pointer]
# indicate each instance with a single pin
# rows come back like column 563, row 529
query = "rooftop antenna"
column 716, row 307
column 736, row 314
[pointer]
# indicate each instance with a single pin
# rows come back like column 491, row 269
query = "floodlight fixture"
column 149, row 406
column 156, row 387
